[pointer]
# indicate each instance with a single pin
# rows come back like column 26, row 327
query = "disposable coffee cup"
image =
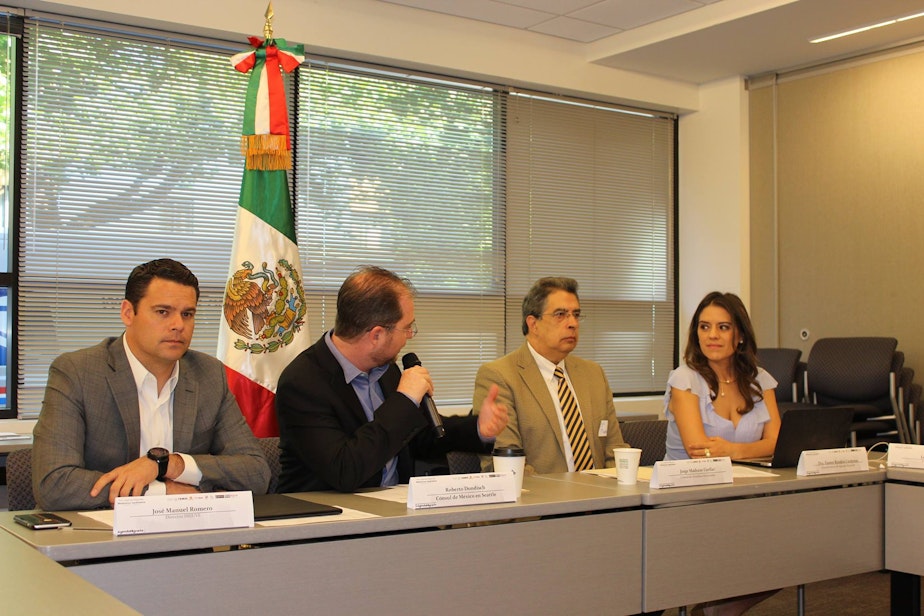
column 510, row 460
column 627, row 464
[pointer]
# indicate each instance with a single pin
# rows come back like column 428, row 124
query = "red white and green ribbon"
column 266, row 143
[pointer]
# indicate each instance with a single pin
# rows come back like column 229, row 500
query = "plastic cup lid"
column 508, row 451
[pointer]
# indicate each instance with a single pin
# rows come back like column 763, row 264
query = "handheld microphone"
column 409, row 361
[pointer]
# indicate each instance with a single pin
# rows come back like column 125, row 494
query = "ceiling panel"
column 698, row 40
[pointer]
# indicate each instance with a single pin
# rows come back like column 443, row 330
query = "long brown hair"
column 745, row 357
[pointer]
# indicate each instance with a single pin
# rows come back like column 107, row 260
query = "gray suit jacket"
column 532, row 420
column 90, row 424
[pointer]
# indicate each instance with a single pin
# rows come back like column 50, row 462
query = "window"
column 10, row 30
column 131, row 152
column 474, row 194
column 591, row 196
column 408, row 175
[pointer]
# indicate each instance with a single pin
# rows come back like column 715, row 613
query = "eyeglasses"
column 561, row 314
column 410, row 331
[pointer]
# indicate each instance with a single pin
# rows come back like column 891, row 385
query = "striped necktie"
column 574, row 425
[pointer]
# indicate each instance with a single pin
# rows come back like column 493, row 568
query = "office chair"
column 19, row 479
column 784, row 366
column 648, row 435
column 908, row 397
column 859, row 372
column 463, row 462
column 270, row 447
column 915, row 410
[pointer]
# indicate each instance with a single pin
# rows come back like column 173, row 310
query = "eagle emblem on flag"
column 265, row 307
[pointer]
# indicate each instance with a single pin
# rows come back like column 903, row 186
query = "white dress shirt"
column 156, row 414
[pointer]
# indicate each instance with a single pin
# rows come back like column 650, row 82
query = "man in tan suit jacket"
column 528, row 387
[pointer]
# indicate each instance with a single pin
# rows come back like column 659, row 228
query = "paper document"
column 105, row 516
column 394, row 494
column 644, row 472
column 740, row 472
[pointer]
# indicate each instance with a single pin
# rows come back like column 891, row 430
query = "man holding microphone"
column 348, row 417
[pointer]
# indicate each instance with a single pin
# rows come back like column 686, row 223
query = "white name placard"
column 906, row 456
column 167, row 513
column 453, row 490
column 830, row 461
column 693, row 472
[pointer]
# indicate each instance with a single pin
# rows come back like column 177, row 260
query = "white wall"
column 714, row 212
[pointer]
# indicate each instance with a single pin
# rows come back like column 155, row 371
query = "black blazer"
column 326, row 441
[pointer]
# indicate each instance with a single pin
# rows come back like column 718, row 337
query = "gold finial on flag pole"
column 268, row 24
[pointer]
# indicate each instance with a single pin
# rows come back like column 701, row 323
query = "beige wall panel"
column 850, row 184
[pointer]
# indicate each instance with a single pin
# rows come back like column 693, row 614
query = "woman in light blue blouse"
column 720, row 403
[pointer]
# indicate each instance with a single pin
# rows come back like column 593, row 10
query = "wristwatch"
column 162, row 457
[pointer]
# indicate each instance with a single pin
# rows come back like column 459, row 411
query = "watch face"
column 158, row 452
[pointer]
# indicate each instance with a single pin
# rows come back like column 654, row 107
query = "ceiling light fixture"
column 865, row 28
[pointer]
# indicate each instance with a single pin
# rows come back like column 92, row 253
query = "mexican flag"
column 263, row 325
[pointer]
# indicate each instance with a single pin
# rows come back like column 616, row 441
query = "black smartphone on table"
column 41, row 521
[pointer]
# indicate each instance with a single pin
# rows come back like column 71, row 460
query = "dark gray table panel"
column 528, row 567
column 542, row 498
column 712, row 550
column 904, row 528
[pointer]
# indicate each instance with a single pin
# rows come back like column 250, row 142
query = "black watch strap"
column 162, row 457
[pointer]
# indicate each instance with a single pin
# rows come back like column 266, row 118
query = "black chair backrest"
column 19, row 480
column 783, row 365
column 649, row 435
column 463, row 462
column 851, row 370
column 898, row 361
column 270, row 447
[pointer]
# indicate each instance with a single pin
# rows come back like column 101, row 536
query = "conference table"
column 31, row 583
column 449, row 561
column 573, row 543
column 904, row 541
column 756, row 534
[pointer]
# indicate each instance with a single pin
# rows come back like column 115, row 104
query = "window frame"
column 505, row 92
column 14, row 25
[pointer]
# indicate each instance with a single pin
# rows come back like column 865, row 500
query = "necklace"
column 722, row 391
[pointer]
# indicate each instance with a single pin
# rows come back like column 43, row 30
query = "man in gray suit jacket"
column 142, row 413
column 529, row 387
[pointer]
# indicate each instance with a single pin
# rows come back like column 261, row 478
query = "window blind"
column 591, row 196
column 407, row 174
column 130, row 152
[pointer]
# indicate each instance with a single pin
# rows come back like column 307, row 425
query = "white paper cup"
column 627, row 464
column 510, row 460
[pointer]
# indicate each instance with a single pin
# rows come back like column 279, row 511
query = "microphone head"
column 410, row 360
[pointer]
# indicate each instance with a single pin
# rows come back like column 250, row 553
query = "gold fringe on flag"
column 266, row 152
